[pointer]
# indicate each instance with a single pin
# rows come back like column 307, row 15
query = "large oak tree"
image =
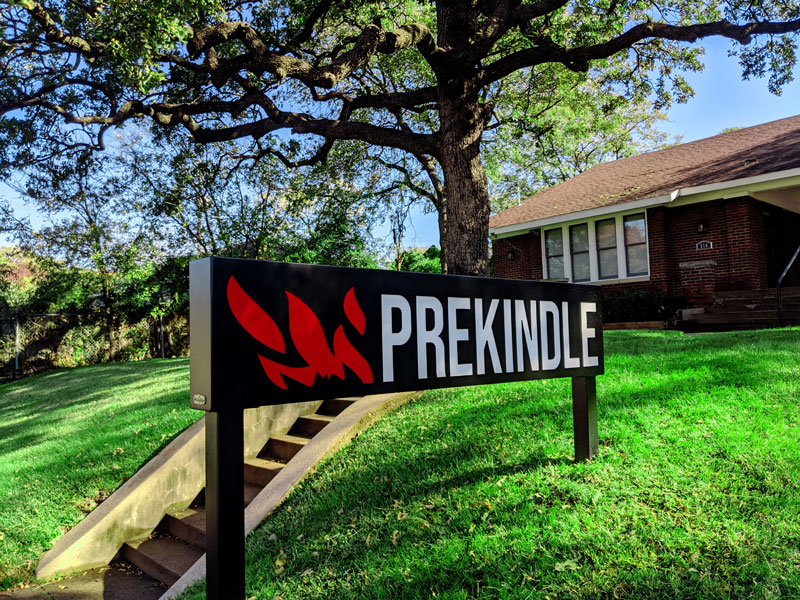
column 413, row 80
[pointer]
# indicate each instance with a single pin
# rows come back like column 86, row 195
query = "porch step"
column 786, row 292
column 282, row 447
column 750, row 314
column 310, row 426
column 164, row 558
column 744, row 306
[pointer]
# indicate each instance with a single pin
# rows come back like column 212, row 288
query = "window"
column 635, row 244
column 554, row 251
column 599, row 249
column 606, row 235
column 579, row 248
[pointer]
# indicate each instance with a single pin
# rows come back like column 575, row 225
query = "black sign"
column 273, row 333
column 704, row 245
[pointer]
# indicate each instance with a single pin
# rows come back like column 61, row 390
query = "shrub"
column 640, row 305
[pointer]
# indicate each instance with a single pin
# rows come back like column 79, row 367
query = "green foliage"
column 591, row 123
column 136, row 33
column 640, row 305
column 420, row 260
column 208, row 201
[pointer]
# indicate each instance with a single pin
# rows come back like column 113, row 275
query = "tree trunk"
column 464, row 211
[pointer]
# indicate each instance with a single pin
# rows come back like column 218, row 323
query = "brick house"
column 703, row 221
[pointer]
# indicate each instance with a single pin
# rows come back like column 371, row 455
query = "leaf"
column 395, row 535
column 567, row 564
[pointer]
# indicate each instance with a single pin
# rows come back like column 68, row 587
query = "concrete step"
column 251, row 490
column 188, row 525
column 162, row 557
column 334, row 406
column 261, row 471
column 310, row 425
column 282, row 447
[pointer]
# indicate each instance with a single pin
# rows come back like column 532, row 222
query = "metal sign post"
column 225, row 505
column 584, row 417
column 274, row 333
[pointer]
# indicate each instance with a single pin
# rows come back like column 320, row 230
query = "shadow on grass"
column 34, row 417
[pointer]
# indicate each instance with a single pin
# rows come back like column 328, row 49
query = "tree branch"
column 259, row 59
column 579, row 58
column 53, row 33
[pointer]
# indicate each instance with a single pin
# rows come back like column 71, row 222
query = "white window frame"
column 594, row 268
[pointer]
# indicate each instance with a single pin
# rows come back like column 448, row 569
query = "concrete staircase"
column 746, row 309
column 179, row 540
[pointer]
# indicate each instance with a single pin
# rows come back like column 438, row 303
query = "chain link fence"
column 34, row 343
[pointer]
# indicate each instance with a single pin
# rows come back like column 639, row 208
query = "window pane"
column 555, row 267
column 580, row 267
column 607, row 233
column 553, row 244
column 637, row 260
column 635, row 230
column 579, row 237
column 608, row 263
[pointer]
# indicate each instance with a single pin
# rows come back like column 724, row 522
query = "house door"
column 782, row 235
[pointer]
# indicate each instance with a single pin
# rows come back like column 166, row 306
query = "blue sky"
column 721, row 100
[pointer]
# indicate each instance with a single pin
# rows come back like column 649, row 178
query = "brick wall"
column 737, row 260
column 747, row 259
column 527, row 260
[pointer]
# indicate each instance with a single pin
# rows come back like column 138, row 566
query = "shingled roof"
column 759, row 150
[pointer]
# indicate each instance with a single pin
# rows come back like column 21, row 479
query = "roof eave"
column 699, row 193
column 518, row 228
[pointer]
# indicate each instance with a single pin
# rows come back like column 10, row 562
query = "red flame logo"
column 307, row 335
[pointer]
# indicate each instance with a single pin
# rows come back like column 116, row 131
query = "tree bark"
column 464, row 210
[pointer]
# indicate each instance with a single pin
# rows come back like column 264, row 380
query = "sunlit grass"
column 70, row 438
column 472, row 492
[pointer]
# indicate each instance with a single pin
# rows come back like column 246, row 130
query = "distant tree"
column 594, row 127
column 87, row 228
column 412, row 81
column 218, row 200
column 421, row 260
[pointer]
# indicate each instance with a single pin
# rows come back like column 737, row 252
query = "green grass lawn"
column 472, row 493
column 70, row 438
